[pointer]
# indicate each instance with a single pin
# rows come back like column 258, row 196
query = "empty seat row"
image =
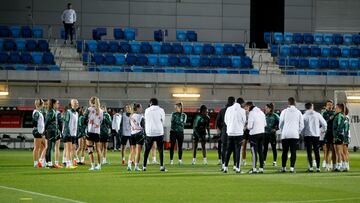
column 309, row 38
column 21, row 32
column 22, row 67
column 168, row 60
column 186, row 36
column 161, row 48
column 321, row 72
column 315, row 51
column 27, row 58
column 315, row 63
column 24, row 45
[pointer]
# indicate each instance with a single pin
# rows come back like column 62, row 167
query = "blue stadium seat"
column 335, row 52
column 145, row 48
column 98, row 33
column 329, row 39
column 308, row 38
column 215, row 61
column 141, row 60
column 54, row 68
column 48, row 58
column 181, row 35
column 195, row 61
column 356, row 39
column 294, row 62
column 325, row 51
column 314, row 63
column 348, row 39
column 184, row 61
column 125, row 47
column 9, row 45
column 91, row 46
column 305, row 51
column 177, row 48
column 298, row 38
column 324, row 63
column 288, row 38
column 315, row 51
column 173, row 60
column 278, row 38
column 338, row 39
column 163, row 60
column 37, row 58
column 159, row 35
column 152, row 60
column 14, row 58
column 4, row 57
column 114, row 47
column 31, row 68
column 354, row 63
column 208, row 49
column 26, row 32
column 228, row 49
column 333, row 63
column 131, row 59
column 86, row 58
column 10, row 67
column 355, row 52
column 98, row 59
column 37, row 32
column 236, row 61
column 246, row 62
column 102, row 46
column 204, row 61
column 20, row 44
column 188, row 48
column 20, row 67
column 282, row 62
column 191, row 36
column 166, row 48
column 119, row 59
column 343, row 63
column 4, row 31
column 295, row 51
column 118, row 33
column 109, row 59
column 156, row 47
column 274, row 50
column 318, row 38
column 345, row 51
column 15, row 31
column 135, row 47
column 268, row 37
column 26, row 58
column 31, row 45
column 219, row 49
column 1, row 44
column 239, row 50
column 198, row 48
column 226, row 62
column 303, row 63
column 284, row 50
column 43, row 45
column 129, row 34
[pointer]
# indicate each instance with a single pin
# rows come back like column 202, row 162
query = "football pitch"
column 20, row 182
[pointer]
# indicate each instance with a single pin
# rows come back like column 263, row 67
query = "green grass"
column 184, row 183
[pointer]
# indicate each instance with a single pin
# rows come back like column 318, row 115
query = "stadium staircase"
column 66, row 57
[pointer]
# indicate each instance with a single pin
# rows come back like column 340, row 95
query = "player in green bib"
column 201, row 129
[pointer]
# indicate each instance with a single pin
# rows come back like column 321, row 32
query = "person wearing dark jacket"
column 201, row 128
column 178, row 120
column 272, row 125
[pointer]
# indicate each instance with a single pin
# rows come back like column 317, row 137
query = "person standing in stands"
column 70, row 123
column 51, row 128
column 69, row 18
column 38, row 131
column 221, row 127
column 272, row 125
column 154, row 128
column 178, row 120
column 125, row 130
column 80, row 152
column 256, row 125
column 235, row 119
column 104, row 134
column 312, row 131
column 115, row 129
column 328, row 146
column 201, row 128
column 291, row 125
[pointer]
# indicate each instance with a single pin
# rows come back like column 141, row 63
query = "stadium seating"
column 21, row 32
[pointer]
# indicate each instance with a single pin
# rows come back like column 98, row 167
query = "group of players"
column 238, row 123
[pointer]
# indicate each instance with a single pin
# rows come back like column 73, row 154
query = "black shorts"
column 246, row 135
column 74, row 140
column 176, row 136
column 199, row 138
column 329, row 138
column 67, row 139
column 137, row 139
column 124, row 139
column 104, row 137
column 36, row 133
column 94, row 137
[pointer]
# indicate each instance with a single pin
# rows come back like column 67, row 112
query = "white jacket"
column 154, row 121
column 256, row 121
column 69, row 16
column 312, row 122
column 291, row 123
column 115, row 125
column 235, row 119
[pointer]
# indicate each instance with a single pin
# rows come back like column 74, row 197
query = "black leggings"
column 69, row 29
column 256, row 144
column 179, row 137
column 286, row 144
column 51, row 144
column 149, row 141
column 233, row 145
column 269, row 139
column 312, row 143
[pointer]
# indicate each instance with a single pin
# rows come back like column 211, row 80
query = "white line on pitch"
column 318, row 200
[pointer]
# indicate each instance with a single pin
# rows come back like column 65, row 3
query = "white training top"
column 73, row 122
column 154, row 121
column 135, row 121
column 69, row 16
column 40, row 122
column 256, row 121
column 312, row 122
column 116, row 121
column 95, row 120
column 291, row 123
column 235, row 119
column 126, row 127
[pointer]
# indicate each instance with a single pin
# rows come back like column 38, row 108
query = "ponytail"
column 95, row 103
column 181, row 106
